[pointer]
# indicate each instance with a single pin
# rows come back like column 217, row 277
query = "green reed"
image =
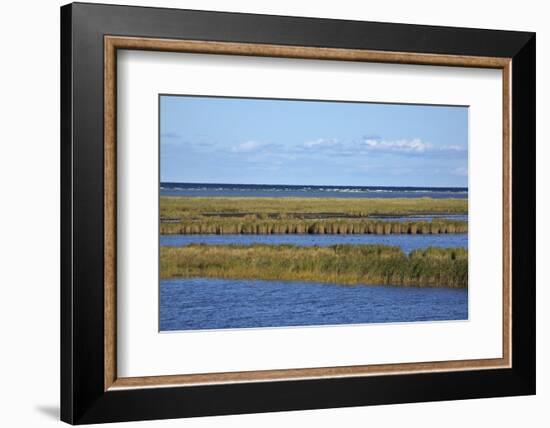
column 339, row 264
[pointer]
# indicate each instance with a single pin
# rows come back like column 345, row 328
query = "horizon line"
column 314, row 185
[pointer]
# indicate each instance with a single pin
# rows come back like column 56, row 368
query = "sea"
column 291, row 191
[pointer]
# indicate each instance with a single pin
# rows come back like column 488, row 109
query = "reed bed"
column 214, row 215
column 189, row 207
column 338, row 264
column 342, row 227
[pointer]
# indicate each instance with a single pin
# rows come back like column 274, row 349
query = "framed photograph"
column 265, row 213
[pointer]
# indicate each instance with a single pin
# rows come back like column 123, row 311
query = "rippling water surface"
column 207, row 303
column 406, row 242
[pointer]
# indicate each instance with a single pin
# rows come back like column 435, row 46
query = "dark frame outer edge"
column 83, row 399
column 524, row 215
column 66, row 315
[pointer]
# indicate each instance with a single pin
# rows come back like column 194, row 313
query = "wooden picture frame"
column 91, row 390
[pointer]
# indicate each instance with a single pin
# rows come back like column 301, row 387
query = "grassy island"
column 340, row 264
column 222, row 215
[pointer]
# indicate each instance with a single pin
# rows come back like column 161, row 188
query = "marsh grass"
column 185, row 215
column 320, row 227
column 339, row 264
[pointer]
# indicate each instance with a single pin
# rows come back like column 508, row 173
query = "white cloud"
column 371, row 145
column 454, row 148
column 248, row 147
column 414, row 145
column 257, row 150
column 321, row 142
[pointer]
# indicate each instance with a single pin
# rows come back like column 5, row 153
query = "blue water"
column 455, row 217
column 206, row 303
column 407, row 243
column 264, row 190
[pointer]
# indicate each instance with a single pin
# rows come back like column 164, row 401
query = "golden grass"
column 339, row 264
column 322, row 227
column 174, row 206
column 214, row 215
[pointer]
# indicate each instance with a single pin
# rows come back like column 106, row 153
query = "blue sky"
column 253, row 141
